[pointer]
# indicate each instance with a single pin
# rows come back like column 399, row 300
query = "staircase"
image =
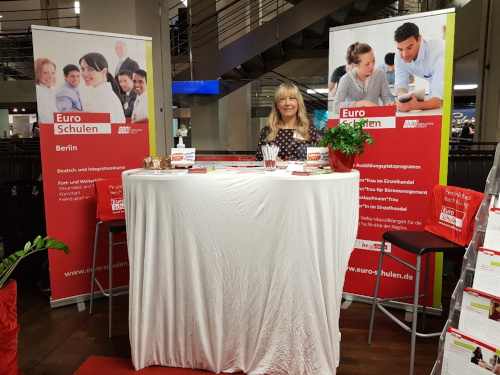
column 270, row 35
column 245, row 41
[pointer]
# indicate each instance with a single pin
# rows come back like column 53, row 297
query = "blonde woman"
column 289, row 127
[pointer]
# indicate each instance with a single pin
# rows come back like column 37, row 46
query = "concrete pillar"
column 488, row 93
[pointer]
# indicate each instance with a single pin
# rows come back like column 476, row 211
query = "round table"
column 235, row 271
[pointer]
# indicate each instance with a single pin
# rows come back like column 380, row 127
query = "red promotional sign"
column 397, row 178
column 90, row 130
column 407, row 103
column 74, row 155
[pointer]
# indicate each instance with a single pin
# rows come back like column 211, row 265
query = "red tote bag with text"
column 110, row 205
column 453, row 212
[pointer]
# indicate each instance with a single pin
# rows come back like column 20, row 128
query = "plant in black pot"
column 8, row 300
column 344, row 143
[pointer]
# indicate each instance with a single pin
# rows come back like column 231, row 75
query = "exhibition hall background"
column 236, row 129
column 228, row 124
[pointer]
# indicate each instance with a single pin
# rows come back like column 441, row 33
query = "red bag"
column 110, row 204
column 453, row 213
column 8, row 329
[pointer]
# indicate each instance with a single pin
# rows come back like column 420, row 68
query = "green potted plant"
column 8, row 299
column 344, row 142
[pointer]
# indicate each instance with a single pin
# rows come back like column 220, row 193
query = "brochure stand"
column 470, row 323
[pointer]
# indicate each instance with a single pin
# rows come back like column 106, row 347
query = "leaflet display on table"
column 183, row 157
column 466, row 355
column 317, row 156
column 480, row 315
column 487, row 274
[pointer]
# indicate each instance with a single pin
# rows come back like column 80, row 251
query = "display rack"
column 492, row 189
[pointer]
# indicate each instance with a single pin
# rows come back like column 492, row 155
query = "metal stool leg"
column 424, row 304
column 92, row 287
column 374, row 306
column 415, row 312
column 110, row 284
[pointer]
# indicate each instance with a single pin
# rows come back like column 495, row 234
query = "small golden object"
column 156, row 162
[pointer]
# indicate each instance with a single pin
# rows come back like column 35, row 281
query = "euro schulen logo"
column 117, row 204
column 412, row 124
column 452, row 216
column 81, row 124
column 124, row 130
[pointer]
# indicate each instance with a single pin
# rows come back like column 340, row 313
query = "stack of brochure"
column 475, row 347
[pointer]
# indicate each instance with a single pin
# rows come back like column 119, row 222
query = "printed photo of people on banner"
column 397, row 75
column 399, row 64
column 76, row 74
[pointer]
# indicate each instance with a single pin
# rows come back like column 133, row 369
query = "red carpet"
column 95, row 365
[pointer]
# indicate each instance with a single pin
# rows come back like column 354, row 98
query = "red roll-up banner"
column 86, row 135
column 409, row 156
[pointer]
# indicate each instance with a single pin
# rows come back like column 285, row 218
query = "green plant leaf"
column 11, row 259
column 8, row 264
column 50, row 242
column 59, row 245
column 38, row 242
column 347, row 139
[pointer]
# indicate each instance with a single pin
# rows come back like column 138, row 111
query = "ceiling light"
column 317, row 91
column 77, row 7
column 14, row 110
column 465, row 87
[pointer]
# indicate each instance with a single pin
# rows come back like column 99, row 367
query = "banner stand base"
column 83, row 297
column 395, row 305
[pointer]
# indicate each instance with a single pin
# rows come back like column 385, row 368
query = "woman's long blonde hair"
column 285, row 90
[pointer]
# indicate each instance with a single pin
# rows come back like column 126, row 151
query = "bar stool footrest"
column 404, row 326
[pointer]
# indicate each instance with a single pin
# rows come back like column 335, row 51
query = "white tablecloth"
column 238, row 272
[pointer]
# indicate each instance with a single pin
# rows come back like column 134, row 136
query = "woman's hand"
column 365, row 103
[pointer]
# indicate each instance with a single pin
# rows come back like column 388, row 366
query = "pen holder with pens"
column 269, row 153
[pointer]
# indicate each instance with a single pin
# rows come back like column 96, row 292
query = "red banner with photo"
column 406, row 97
column 95, row 122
